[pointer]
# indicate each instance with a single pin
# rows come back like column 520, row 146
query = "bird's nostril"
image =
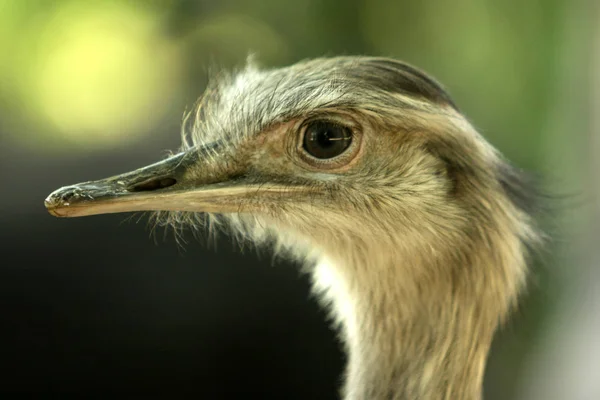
column 153, row 184
column 67, row 195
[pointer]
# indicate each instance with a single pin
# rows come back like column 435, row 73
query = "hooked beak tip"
column 52, row 205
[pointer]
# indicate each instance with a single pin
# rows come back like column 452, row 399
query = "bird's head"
column 358, row 150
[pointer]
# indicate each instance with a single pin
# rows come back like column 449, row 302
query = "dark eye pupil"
column 324, row 139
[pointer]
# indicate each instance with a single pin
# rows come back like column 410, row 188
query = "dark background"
column 98, row 305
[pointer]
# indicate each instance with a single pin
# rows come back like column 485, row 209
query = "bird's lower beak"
column 167, row 185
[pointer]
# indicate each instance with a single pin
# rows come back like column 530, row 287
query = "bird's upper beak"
column 183, row 182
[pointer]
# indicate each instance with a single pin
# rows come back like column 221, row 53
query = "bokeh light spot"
column 104, row 74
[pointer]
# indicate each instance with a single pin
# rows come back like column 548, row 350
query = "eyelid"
column 332, row 118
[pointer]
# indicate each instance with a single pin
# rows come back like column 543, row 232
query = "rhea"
column 415, row 229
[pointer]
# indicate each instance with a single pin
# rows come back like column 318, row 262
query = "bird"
column 417, row 232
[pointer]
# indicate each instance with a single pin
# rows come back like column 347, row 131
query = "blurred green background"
column 91, row 88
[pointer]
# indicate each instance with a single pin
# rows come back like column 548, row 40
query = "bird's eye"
column 324, row 139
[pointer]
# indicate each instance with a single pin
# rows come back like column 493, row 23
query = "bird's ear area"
column 458, row 166
column 399, row 77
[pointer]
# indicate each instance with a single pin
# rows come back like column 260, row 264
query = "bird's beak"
column 183, row 182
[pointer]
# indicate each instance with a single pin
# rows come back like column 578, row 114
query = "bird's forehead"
column 267, row 95
column 245, row 103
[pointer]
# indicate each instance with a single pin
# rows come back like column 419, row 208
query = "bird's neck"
column 410, row 333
